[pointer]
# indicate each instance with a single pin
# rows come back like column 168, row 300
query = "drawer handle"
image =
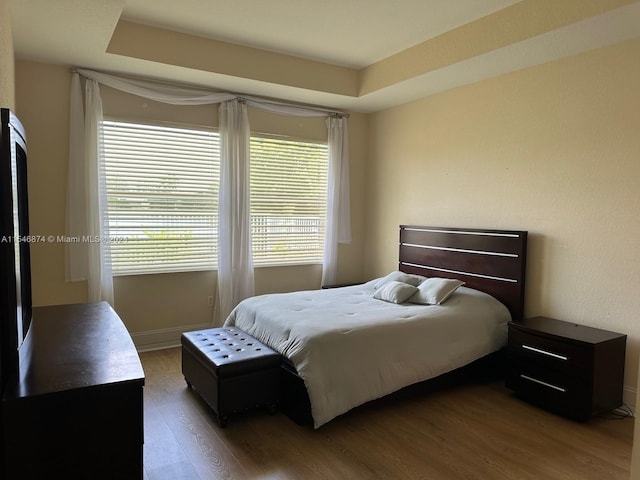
column 544, row 352
column 560, row 389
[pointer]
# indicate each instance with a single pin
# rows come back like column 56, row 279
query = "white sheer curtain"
column 172, row 94
column 86, row 261
column 338, row 228
column 87, row 196
column 235, row 258
column 76, row 252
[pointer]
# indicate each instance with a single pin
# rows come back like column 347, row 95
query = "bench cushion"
column 229, row 351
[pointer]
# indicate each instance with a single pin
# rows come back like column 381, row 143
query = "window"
column 162, row 195
column 162, row 190
column 288, row 201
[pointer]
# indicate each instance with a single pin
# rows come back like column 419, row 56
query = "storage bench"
column 231, row 370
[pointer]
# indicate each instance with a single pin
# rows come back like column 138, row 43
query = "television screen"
column 23, row 280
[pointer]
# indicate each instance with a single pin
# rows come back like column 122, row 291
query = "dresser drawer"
column 562, row 356
column 555, row 390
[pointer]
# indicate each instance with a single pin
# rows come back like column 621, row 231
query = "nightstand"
column 573, row 370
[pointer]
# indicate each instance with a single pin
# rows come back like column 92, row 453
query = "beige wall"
column 155, row 308
column 551, row 149
column 7, row 63
column 42, row 93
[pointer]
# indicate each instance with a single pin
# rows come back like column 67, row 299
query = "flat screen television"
column 15, row 262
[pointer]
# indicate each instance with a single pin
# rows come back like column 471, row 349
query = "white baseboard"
column 163, row 338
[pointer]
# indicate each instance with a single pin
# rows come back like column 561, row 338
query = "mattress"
column 350, row 348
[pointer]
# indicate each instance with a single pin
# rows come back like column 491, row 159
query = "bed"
column 343, row 347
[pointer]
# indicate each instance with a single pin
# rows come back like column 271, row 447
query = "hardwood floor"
column 471, row 430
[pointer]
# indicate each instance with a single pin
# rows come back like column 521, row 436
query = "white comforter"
column 350, row 348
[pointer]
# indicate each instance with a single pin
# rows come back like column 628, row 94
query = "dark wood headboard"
column 492, row 261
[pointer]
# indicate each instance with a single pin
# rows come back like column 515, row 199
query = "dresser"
column 570, row 369
column 75, row 411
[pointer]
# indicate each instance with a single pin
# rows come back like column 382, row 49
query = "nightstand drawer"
column 566, row 357
column 551, row 389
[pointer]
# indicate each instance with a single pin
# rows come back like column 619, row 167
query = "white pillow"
column 434, row 291
column 399, row 276
column 395, row 292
